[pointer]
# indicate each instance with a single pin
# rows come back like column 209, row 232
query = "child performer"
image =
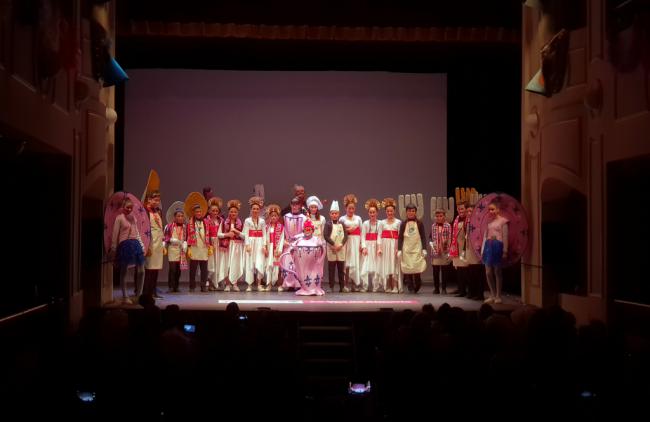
column 314, row 205
column 198, row 240
column 412, row 250
column 274, row 245
column 352, row 225
column 214, row 221
column 153, row 262
column 308, row 255
column 336, row 237
column 387, row 249
column 176, row 246
column 231, row 243
column 293, row 222
column 458, row 249
column 440, row 240
column 476, row 272
column 254, row 235
column 128, row 249
column 494, row 250
column 370, row 261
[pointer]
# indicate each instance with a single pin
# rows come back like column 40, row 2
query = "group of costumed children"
column 270, row 250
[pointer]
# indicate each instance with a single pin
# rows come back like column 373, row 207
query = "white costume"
column 215, row 262
column 370, row 263
column 274, row 245
column 352, row 247
column 232, row 265
column 254, row 237
column 387, row 243
column 155, row 260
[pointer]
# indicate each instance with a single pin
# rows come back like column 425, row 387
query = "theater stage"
column 330, row 302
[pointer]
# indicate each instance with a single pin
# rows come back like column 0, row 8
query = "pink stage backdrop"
column 375, row 134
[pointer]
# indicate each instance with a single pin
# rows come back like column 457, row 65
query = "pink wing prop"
column 114, row 208
column 517, row 226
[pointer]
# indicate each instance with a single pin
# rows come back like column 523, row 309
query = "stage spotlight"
column 359, row 389
column 86, row 396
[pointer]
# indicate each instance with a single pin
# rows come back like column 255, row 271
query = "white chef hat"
column 313, row 200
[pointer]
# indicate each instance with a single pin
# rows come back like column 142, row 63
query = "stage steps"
column 327, row 357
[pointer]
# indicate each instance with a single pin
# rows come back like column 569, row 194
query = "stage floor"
column 330, row 302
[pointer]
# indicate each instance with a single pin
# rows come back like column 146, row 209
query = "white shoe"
column 280, row 289
column 235, row 288
column 226, row 289
column 394, row 290
column 346, row 290
column 498, row 300
column 363, row 290
column 489, row 300
column 249, row 288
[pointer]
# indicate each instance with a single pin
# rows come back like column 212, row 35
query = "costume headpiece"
column 173, row 209
column 313, row 200
column 273, row 208
column 215, row 200
column 255, row 200
column 389, row 202
column 153, row 185
column 194, row 200
column 372, row 202
column 348, row 199
column 234, row 203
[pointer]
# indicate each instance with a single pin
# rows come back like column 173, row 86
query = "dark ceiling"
column 470, row 13
column 181, row 34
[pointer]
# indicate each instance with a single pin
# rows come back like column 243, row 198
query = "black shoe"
column 443, row 291
column 436, row 291
column 204, row 289
column 211, row 288
column 192, row 289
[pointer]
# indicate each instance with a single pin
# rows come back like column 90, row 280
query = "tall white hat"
column 313, row 200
